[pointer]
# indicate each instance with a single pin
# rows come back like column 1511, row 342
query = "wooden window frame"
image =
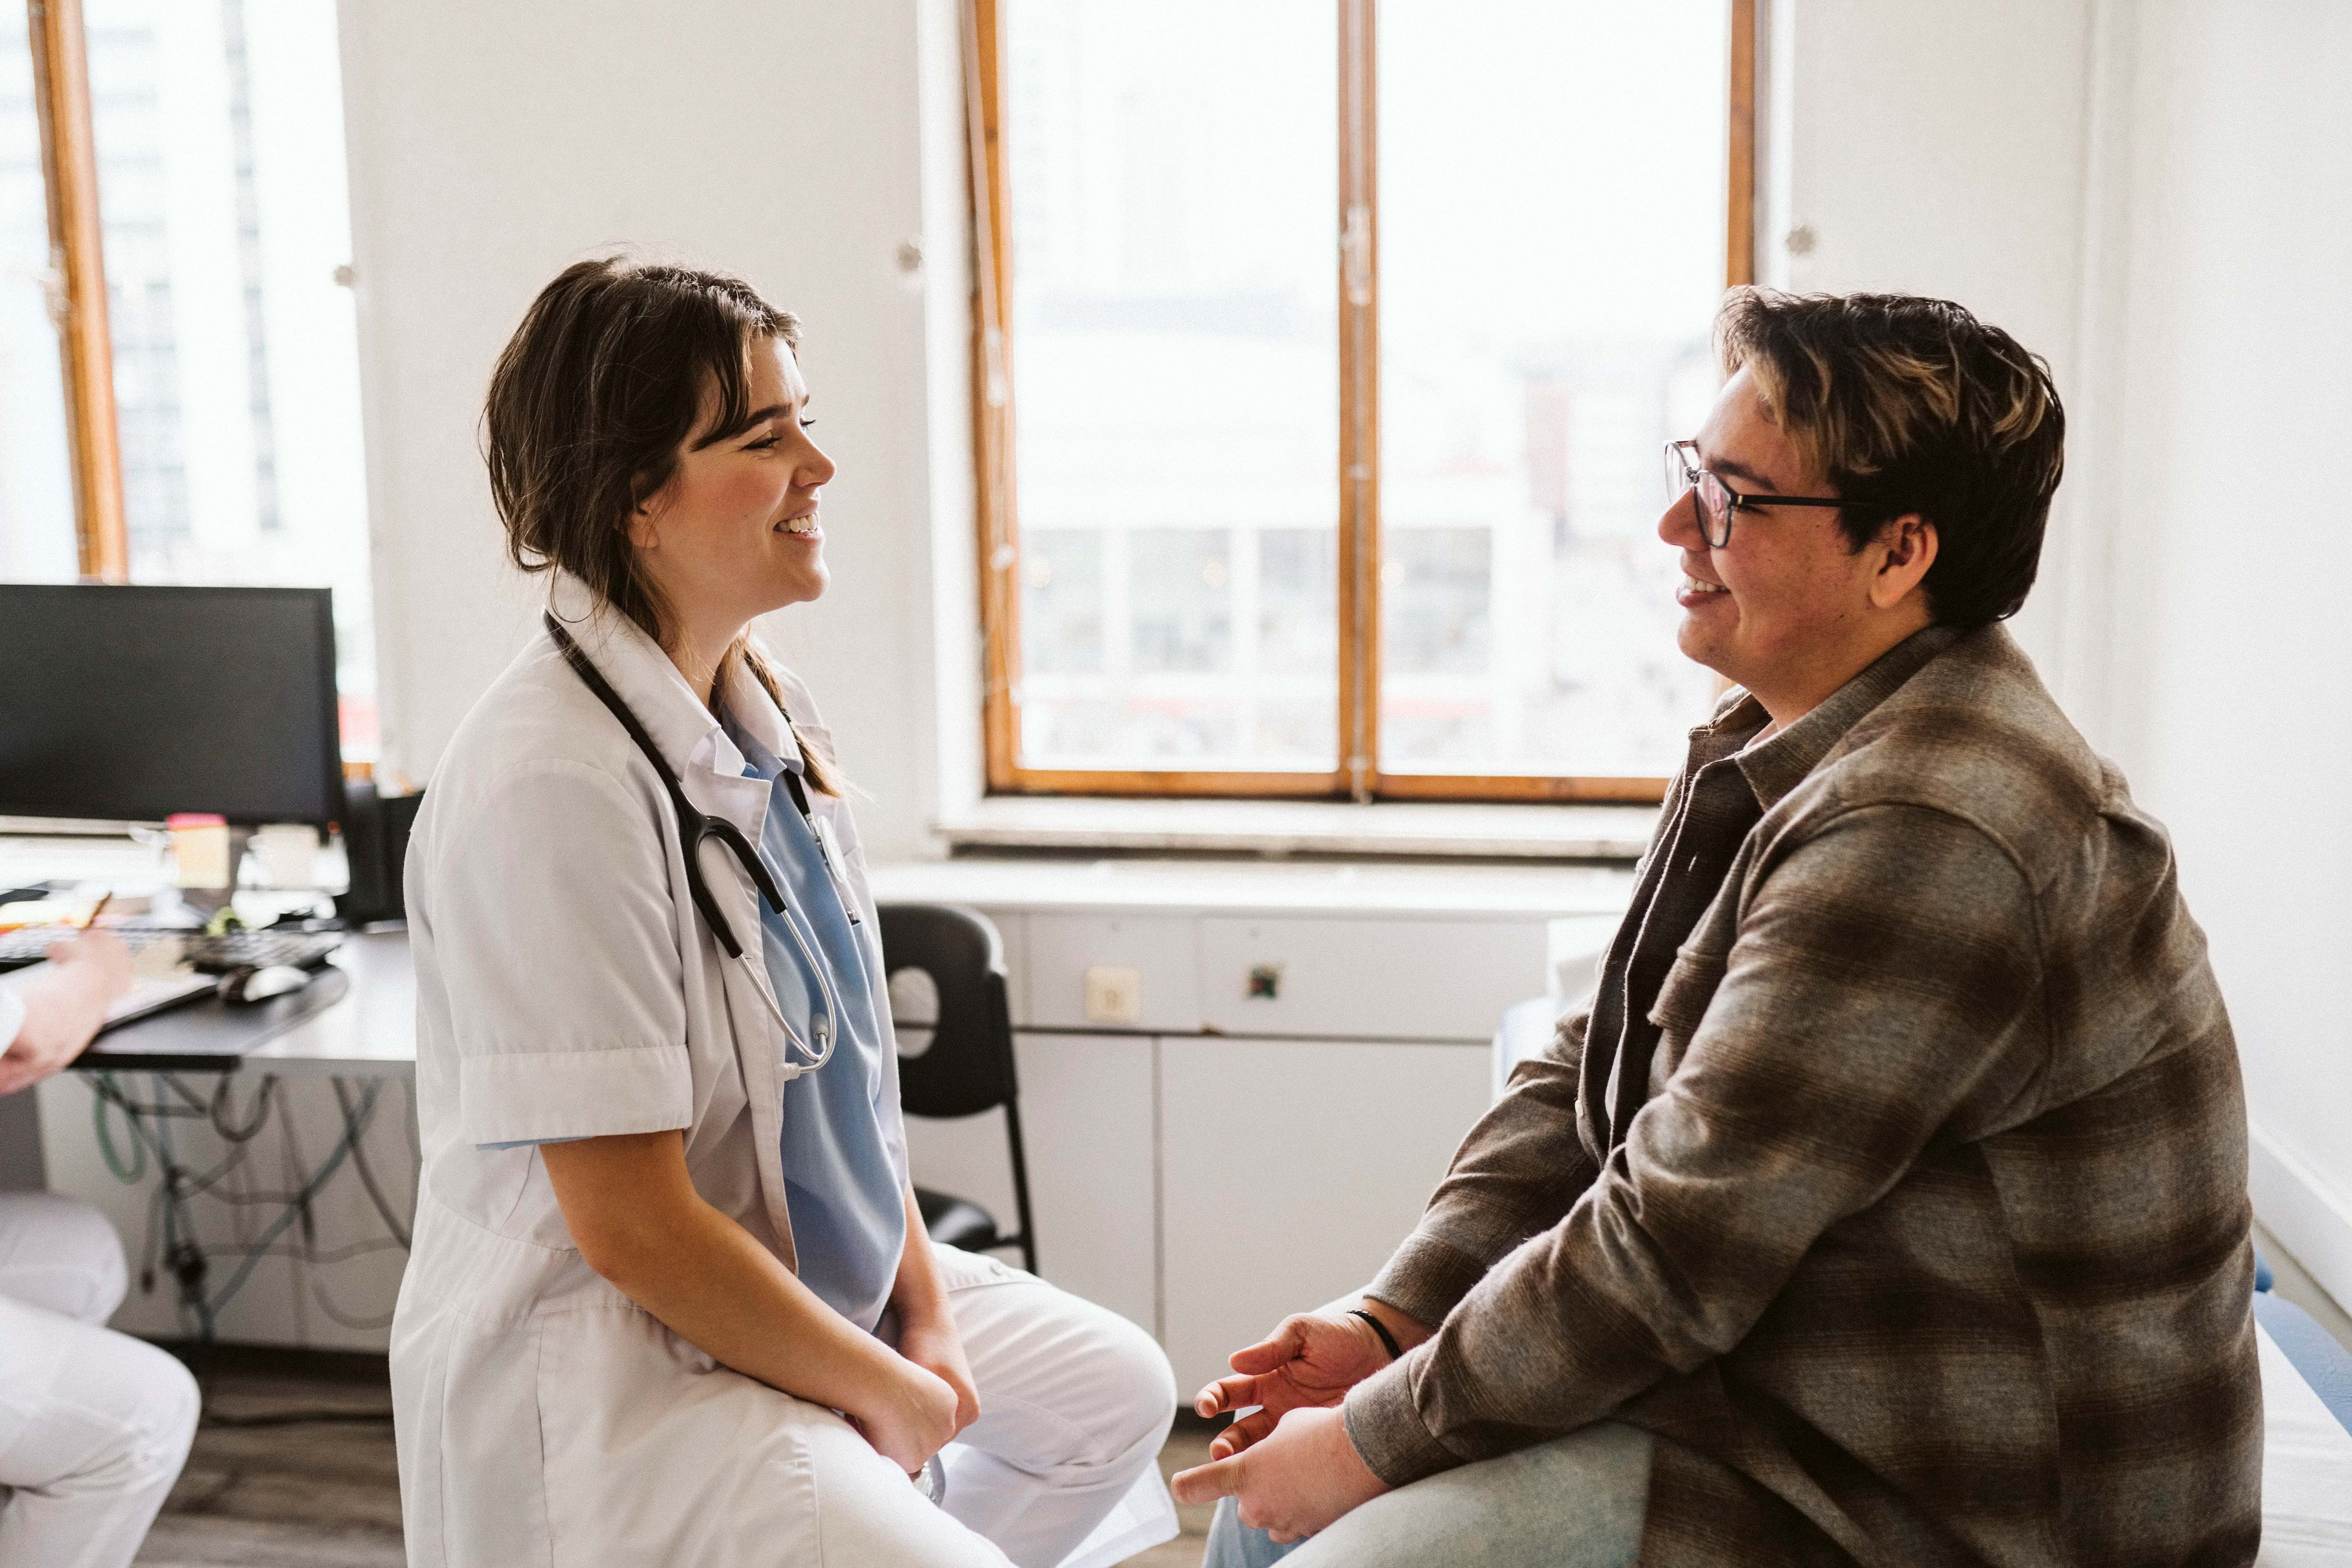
column 78, row 285
column 1358, row 775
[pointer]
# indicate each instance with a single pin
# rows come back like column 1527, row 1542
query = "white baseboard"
column 2310, row 1216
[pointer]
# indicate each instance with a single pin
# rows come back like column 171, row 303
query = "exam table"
column 2307, row 1436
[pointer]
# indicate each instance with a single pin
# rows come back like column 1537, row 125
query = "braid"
column 822, row 776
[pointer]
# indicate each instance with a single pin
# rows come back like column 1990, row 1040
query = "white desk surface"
column 367, row 1031
column 372, row 1032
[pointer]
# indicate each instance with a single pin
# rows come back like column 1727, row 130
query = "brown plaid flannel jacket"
column 1895, row 1177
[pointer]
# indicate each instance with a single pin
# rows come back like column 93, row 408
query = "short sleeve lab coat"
column 566, row 988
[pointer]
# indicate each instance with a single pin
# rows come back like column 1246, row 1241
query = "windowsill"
column 1271, row 827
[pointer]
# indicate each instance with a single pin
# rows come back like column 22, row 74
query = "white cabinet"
column 1242, row 1151
column 1161, row 949
column 1087, row 1106
column 1367, row 978
column 1290, row 1170
column 1088, row 1125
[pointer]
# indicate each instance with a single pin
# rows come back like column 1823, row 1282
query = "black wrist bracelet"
column 1396, row 1351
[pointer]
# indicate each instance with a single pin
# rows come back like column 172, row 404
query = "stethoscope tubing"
column 769, row 884
column 821, row 1026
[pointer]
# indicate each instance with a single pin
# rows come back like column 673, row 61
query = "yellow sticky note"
column 202, row 853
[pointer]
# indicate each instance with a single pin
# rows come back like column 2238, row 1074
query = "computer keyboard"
column 206, row 955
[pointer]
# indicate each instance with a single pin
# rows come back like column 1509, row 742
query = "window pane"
column 37, row 515
column 222, row 191
column 1552, row 254
column 1174, row 177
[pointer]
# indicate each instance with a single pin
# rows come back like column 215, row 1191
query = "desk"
column 354, row 1025
column 356, row 1020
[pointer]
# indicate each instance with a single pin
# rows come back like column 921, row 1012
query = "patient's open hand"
column 1309, row 1361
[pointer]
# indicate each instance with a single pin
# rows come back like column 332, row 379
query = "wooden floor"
column 326, row 1494
column 311, row 1494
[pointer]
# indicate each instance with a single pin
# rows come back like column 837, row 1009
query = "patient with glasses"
column 1886, row 1202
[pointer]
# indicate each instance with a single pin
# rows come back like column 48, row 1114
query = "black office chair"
column 968, row 1068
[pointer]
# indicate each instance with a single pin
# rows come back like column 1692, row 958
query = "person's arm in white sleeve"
column 50, row 1020
column 632, row 1208
column 554, row 932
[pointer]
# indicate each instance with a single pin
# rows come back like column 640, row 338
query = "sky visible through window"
column 222, row 194
column 1551, row 211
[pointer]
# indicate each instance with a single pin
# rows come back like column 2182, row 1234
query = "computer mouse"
column 261, row 984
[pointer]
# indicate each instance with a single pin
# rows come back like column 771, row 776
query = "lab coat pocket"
column 420, row 1383
column 657, row 1455
column 482, row 1496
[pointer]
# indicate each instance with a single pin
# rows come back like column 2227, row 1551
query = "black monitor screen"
column 130, row 704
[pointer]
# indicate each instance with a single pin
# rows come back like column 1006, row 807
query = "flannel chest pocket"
column 1690, row 986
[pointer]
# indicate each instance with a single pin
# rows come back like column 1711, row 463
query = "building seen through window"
column 36, row 502
column 222, row 194
column 1551, row 210
column 1175, row 358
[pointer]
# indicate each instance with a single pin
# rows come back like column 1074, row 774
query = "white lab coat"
column 541, row 1416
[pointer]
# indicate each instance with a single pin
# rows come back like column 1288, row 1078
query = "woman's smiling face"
column 735, row 533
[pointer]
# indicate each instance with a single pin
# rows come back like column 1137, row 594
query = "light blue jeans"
column 1577, row 1501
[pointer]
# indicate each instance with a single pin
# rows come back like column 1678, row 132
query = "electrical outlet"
column 1114, row 994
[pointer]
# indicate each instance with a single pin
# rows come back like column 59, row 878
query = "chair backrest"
column 968, row 1068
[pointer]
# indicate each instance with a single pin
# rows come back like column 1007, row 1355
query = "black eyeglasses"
column 1715, row 502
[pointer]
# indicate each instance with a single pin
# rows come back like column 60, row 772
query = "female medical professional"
column 670, row 1300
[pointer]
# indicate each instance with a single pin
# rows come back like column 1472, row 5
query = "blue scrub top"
column 845, row 1193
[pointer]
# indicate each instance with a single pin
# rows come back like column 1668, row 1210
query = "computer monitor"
column 133, row 703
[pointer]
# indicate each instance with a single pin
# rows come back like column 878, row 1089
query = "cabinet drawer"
column 1163, row 950
column 1429, row 980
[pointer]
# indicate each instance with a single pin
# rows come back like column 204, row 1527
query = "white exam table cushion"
column 2306, row 1471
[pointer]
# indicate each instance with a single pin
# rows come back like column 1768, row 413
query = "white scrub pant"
column 1062, row 1468
column 94, row 1425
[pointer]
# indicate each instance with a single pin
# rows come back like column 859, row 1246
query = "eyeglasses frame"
column 1685, row 453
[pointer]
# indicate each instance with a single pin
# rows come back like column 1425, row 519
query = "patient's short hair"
column 1911, row 405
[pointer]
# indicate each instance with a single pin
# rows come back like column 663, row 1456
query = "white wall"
column 2230, row 559
column 1940, row 150
column 490, row 145
column 2156, row 194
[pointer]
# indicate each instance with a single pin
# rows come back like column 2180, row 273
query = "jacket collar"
column 693, row 747
column 1780, row 763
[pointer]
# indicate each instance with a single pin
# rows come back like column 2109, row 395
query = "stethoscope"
column 694, row 829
